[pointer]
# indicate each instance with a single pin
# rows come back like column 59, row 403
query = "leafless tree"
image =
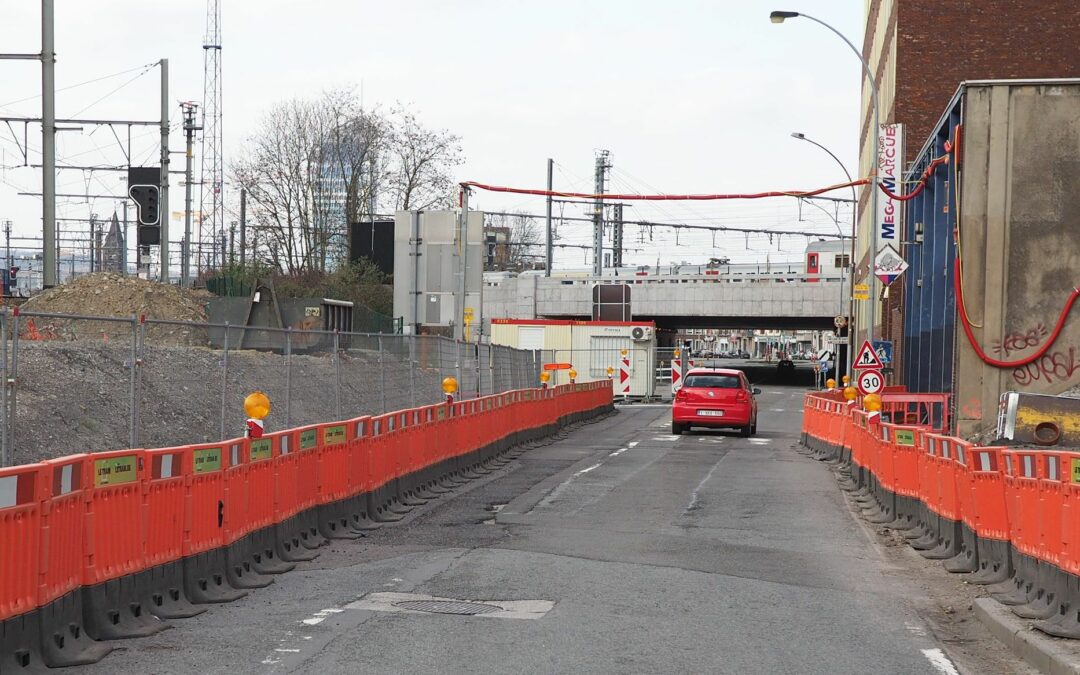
column 518, row 240
column 420, row 163
column 314, row 166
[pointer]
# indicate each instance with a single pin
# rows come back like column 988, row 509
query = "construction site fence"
column 96, row 547
column 1005, row 517
column 72, row 382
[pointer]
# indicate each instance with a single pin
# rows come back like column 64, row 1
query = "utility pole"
column 47, row 56
column 617, row 237
column 212, row 221
column 463, row 248
column 48, row 144
column 123, row 246
column 190, row 127
column 93, row 242
column 243, row 227
column 163, row 200
column 603, row 163
column 548, row 258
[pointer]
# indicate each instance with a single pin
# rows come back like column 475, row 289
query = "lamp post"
column 780, row 17
column 854, row 229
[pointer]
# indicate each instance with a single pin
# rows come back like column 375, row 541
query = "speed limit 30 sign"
column 870, row 381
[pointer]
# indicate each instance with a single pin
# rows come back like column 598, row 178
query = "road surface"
column 626, row 549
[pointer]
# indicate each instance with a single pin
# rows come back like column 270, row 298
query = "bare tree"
column 308, row 174
column 515, row 241
column 421, row 163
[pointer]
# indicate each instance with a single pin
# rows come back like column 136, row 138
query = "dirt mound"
column 112, row 295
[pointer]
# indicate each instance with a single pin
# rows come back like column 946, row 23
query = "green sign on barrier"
column 261, row 449
column 115, row 470
column 207, row 460
column 905, row 437
column 334, row 435
column 308, row 439
column 1076, row 470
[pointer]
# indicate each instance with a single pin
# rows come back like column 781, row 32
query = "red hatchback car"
column 715, row 398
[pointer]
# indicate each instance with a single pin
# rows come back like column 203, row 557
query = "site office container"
column 1011, row 146
column 590, row 346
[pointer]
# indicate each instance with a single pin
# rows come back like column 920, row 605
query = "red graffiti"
column 1049, row 368
column 1015, row 342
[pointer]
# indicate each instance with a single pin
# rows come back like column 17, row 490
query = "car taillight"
column 742, row 397
column 680, row 395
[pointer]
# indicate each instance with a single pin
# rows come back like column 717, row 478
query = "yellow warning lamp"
column 872, row 402
column 850, row 393
column 624, row 352
column 545, row 377
column 678, row 353
column 573, row 375
column 449, row 387
column 846, row 380
column 257, row 405
column 830, row 384
column 610, row 371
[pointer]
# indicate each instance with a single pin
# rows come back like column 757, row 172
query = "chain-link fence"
column 84, row 384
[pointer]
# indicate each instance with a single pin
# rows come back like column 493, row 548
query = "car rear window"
column 713, row 381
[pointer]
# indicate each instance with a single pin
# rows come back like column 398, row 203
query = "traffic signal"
column 143, row 187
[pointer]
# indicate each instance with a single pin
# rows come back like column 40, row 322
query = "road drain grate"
column 447, row 607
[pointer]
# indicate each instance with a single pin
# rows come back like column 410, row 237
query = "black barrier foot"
column 1043, row 607
column 338, row 528
column 385, row 515
column 164, row 592
column 964, row 562
column 63, row 640
column 411, row 499
column 266, row 561
column 927, row 543
column 1065, row 626
column 293, row 551
column 206, row 578
column 243, row 575
column 917, row 532
column 311, row 539
column 113, row 610
column 883, row 518
column 1023, row 594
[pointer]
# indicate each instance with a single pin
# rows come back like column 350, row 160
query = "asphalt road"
column 637, row 551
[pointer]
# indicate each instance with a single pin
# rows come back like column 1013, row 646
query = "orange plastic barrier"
column 167, row 475
column 114, row 537
column 22, row 491
column 185, row 522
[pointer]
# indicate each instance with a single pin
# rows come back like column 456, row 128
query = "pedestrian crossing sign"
column 867, row 358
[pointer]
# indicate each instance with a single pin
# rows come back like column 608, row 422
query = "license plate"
column 710, row 413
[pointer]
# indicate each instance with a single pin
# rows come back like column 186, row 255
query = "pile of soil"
column 112, row 295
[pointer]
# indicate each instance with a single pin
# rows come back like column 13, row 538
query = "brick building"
column 921, row 50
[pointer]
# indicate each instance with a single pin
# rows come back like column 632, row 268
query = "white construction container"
column 591, row 347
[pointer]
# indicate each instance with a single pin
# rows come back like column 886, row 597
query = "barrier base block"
column 113, row 610
column 63, row 640
column 995, row 563
column 264, row 554
column 20, row 644
column 240, row 568
column 163, row 592
column 206, row 578
column 289, row 546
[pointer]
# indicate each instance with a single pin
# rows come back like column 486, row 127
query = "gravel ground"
column 74, row 396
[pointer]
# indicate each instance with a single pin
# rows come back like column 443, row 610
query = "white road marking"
column 632, row 444
column 759, row 441
column 618, row 452
column 287, row 651
column 588, row 469
column 940, row 662
column 320, row 616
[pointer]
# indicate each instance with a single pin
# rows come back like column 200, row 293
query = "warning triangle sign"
column 867, row 357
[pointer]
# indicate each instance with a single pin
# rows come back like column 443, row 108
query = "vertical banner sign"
column 676, row 372
column 624, row 373
column 890, row 166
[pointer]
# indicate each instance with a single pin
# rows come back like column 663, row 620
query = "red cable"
column 923, row 180
column 1008, row 364
column 632, row 197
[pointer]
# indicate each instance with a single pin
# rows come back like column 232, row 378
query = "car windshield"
column 713, row 381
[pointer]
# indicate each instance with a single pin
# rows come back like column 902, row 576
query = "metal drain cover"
column 447, row 607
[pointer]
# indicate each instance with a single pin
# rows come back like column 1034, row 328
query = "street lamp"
column 854, row 213
column 779, row 17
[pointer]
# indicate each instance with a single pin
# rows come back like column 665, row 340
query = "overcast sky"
column 688, row 95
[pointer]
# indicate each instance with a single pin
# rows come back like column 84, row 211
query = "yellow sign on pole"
column 861, row 292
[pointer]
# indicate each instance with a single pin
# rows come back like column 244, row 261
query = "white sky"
column 688, row 95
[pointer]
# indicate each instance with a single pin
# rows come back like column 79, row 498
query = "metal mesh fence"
column 85, row 384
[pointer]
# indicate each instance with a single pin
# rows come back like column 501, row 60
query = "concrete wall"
column 1020, row 209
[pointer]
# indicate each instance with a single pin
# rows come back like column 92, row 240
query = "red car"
column 715, row 398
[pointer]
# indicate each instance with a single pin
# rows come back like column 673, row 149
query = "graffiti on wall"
column 1050, row 368
column 1018, row 341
